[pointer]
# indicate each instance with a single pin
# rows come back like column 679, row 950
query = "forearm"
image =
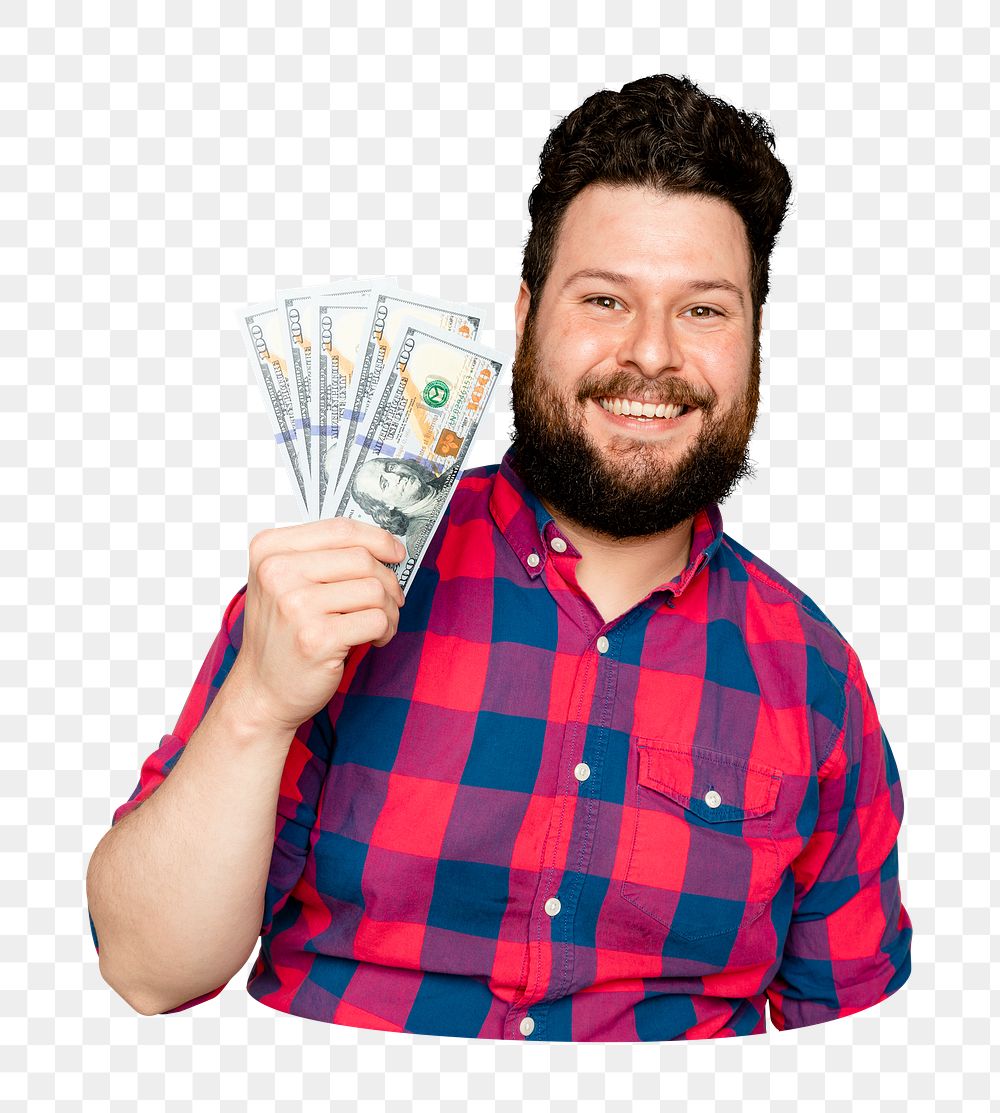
column 176, row 888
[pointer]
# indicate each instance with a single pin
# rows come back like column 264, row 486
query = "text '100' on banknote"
column 407, row 453
column 374, row 394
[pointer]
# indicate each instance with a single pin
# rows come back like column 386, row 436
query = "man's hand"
column 313, row 591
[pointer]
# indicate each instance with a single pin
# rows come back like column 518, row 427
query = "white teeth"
column 639, row 409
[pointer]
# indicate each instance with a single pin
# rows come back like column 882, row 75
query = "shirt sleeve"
column 301, row 782
column 848, row 945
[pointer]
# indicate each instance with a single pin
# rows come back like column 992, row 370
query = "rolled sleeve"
column 301, row 780
column 848, row 944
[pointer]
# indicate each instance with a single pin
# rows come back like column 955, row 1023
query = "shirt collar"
column 530, row 529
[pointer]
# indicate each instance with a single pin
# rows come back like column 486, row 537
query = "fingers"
column 285, row 571
column 333, row 617
column 346, row 598
column 368, row 626
column 328, row 533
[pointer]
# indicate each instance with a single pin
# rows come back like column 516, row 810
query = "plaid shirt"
column 519, row 821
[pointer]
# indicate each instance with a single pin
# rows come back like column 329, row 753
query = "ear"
column 521, row 312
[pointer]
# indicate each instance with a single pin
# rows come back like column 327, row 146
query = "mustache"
column 526, row 367
column 616, row 387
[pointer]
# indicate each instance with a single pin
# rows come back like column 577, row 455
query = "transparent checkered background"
column 156, row 177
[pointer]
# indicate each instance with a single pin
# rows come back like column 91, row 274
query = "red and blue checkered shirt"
column 519, row 821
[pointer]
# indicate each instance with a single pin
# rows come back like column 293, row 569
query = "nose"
column 651, row 345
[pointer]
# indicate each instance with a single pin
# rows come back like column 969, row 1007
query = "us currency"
column 340, row 312
column 419, row 430
column 262, row 328
column 390, row 305
column 296, row 308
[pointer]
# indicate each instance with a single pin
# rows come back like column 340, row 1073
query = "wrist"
column 247, row 718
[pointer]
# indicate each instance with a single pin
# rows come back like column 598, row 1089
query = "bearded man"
column 607, row 776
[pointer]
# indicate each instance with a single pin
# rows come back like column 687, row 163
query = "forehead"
column 643, row 231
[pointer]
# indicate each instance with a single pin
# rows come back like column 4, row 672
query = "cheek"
column 574, row 350
column 566, row 327
column 583, row 343
column 725, row 365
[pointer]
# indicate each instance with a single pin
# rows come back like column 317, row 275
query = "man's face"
column 389, row 482
column 639, row 332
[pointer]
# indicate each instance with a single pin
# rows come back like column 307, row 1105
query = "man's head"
column 389, row 490
column 660, row 187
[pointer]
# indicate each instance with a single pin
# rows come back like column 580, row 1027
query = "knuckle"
column 290, row 604
column 307, row 641
column 342, row 528
column 373, row 588
column 258, row 544
column 359, row 556
column 271, row 570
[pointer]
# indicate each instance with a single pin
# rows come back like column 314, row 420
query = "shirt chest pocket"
column 703, row 858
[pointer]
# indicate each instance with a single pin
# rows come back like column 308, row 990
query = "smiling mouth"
column 636, row 415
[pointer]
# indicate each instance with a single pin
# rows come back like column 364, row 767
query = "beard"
column 634, row 487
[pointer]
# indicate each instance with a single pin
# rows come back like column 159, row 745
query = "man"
column 607, row 775
column 401, row 496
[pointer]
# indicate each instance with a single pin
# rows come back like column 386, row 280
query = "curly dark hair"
column 665, row 133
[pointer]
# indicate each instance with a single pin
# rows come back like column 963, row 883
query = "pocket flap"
column 715, row 786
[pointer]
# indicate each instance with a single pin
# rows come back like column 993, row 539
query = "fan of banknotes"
column 375, row 394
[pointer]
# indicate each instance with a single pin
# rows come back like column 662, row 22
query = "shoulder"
column 477, row 479
column 771, row 585
column 782, row 617
column 471, row 495
column 465, row 522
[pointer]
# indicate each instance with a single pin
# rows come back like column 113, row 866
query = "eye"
column 603, row 297
column 703, row 316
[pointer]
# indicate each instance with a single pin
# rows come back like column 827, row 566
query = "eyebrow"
column 701, row 285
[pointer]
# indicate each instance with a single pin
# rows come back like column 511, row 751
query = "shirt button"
column 527, row 1026
column 712, row 798
column 602, row 644
column 582, row 771
column 553, row 906
column 534, row 560
column 558, row 544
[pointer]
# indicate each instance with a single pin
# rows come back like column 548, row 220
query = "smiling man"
column 637, row 409
column 611, row 777
column 401, row 496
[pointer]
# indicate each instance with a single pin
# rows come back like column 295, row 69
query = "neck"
column 634, row 564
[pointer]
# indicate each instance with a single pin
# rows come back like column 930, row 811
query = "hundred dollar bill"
column 340, row 313
column 390, row 305
column 262, row 328
column 420, row 428
column 296, row 307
